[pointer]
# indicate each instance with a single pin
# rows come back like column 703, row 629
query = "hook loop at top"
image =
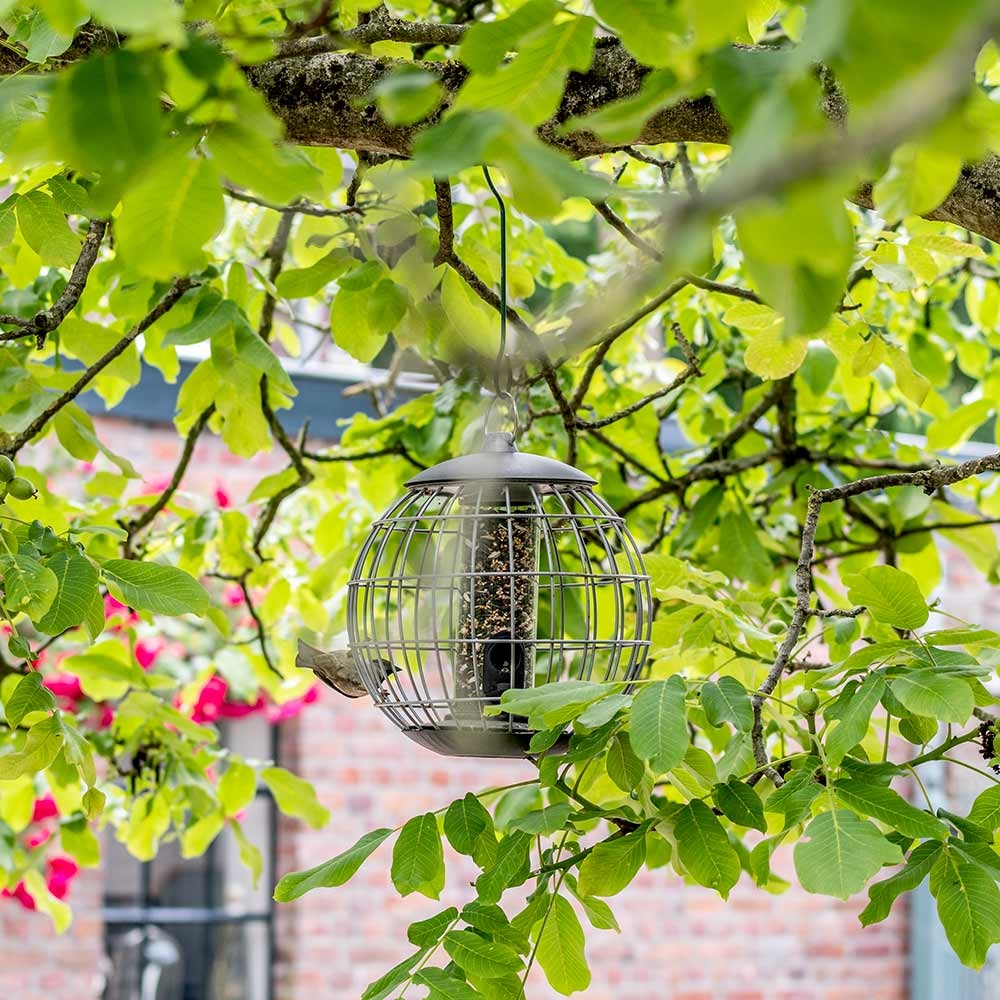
column 507, row 399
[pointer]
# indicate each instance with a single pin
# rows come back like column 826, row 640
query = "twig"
column 44, row 322
column 136, row 524
column 302, row 207
column 394, row 449
column 177, row 288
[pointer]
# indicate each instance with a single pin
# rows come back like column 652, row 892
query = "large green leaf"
column 147, row 586
column 561, row 949
column 295, row 796
column 881, row 895
column 169, row 215
column 882, row 803
column 550, row 705
column 445, row 987
column 28, row 696
column 741, row 804
column 106, row 114
column 727, row 701
column 851, row 715
column 985, row 810
column 465, row 821
column 840, row 853
column 968, row 905
column 480, row 957
column 890, row 595
column 417, row 858
column 28, row 586
column 77, row 582
column 43, row 743
column 331, row 873
column 658, row 728
column 612, row 864
column 45, row 229
column 624, row 767
column 703, row 848
column 936, row 695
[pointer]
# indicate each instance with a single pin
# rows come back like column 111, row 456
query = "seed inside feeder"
column 497, row 618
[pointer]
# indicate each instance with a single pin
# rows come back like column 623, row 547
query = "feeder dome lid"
column 500, row 461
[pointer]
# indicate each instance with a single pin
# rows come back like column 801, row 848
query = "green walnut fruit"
column 7, row 470
column 20, row 489
column 807, row 702
column 776, row 627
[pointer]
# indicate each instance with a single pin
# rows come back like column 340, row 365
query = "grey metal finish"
column 473, row 585
column 499, row 461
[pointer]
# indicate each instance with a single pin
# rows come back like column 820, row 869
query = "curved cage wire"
column 467, row 587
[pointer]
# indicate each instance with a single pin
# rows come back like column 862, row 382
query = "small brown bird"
column 337, row 669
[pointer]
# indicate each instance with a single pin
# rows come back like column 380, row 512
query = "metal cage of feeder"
column 496, row 570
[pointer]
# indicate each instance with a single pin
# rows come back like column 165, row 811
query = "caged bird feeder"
column 496, row 570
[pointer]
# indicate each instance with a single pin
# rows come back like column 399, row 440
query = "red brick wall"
column 677, row 941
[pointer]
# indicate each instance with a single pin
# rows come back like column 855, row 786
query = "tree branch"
column 44, row 322
column 177, row 288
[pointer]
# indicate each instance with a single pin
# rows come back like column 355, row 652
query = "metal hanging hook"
column 501, row 384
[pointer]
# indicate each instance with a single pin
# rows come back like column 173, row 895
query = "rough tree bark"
column 322, row 100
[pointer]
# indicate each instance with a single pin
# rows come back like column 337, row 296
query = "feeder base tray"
column 479, row 742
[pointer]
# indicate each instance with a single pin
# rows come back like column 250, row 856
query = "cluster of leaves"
column 823, row 331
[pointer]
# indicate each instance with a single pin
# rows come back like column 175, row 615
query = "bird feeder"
column 495, row 571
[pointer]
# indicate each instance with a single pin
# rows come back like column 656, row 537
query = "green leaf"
column 727, row 701
column 561, row 949
column 55, row 909
column 985, row 810
column 30, row 695
column 465, row 821
column 703, row 848
column 840, row 853
column 169, row 215
column 890, row 595
column 647, row 28
column 77, row 750
column 196, row 838
column 237, row 787
column 445, row 987
column 29, row 586
column 939, row 696
column 919, row 178
column 336, row 871
column 529, row 87
column 741, row 804
column 658, row 728
column 45, row 229
column 42, row 745
column 384, row 985
column 250, row 854
column 79, row 842
column 408, row 95
column 889, row 807
column 148, row 586
column 295, row 796
column 545, row 821
column 479, row 957
column 624, row 767
column 105, row 670
column 612, row 864
column 968, row 904
column 77, row 582
column 105, row 114
column 852, row 714
column 509, row 868
column 212, row 315
column 302, row 282
column 425, row 933
column 486, row 43
column 881, row 895
column 417, row 858
column 549, row 705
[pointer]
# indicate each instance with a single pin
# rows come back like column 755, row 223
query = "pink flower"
column 147, row 650
column 64, row 685
column 239, row 709
column 87, row 467
column 290, row 709
column 114, row 608
column 107, row 716
column 156, row 485
column 233, row 595
column 45, row 808
column 21, row 895
column 62, row 871
column 41, row 836
column 222, row 497
column 208, row 707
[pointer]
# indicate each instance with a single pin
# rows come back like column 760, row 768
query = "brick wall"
column 677, row 941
